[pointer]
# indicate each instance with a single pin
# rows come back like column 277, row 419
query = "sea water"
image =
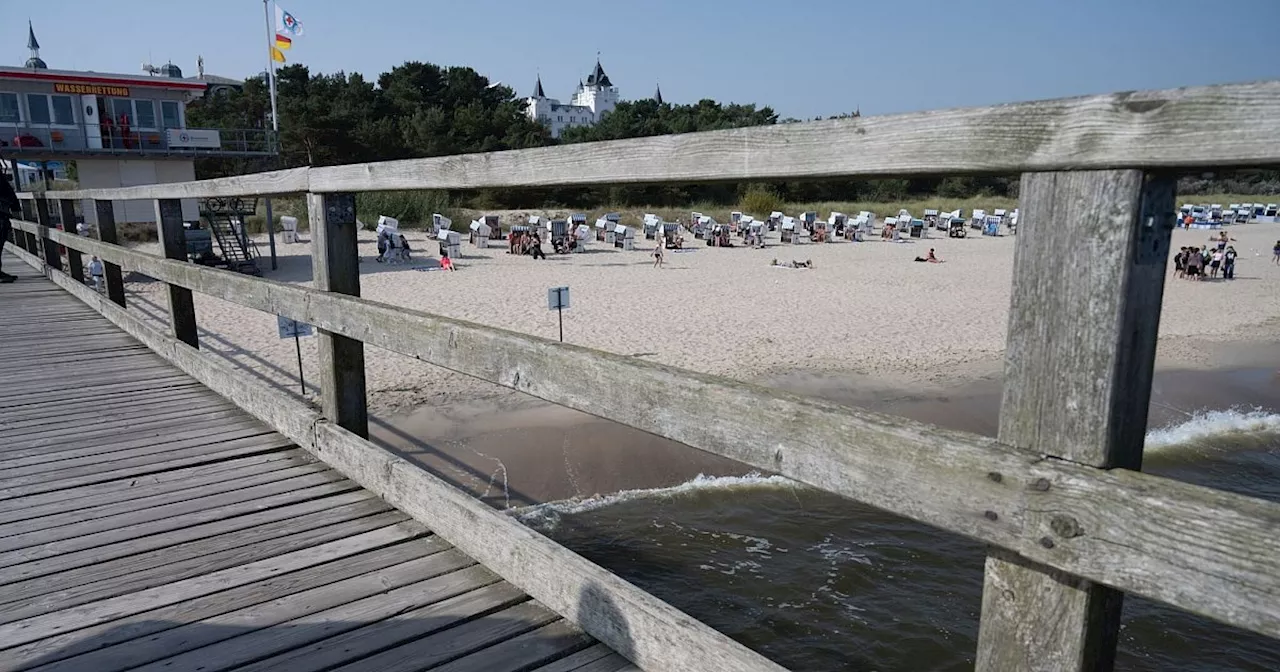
column 816, row 582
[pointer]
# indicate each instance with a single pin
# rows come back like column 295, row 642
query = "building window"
column 38, row 108
column 145, row 113
column 559, row 117
column 64, row 112
column 171, row 113
column 9, row 108
column 140, row 113
column 121, row 108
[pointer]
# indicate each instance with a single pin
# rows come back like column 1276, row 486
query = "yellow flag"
column 277, row 55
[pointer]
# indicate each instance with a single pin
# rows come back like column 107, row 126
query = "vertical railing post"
column 51, row 257
column 106, row 216
column 28, row 241
column 173, row 238
column 335, row 263
column 1088, row 280
column 67, row 213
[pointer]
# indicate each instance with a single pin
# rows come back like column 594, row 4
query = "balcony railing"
column 24, row 139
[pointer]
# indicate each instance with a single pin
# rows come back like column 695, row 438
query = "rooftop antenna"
column 200, row 66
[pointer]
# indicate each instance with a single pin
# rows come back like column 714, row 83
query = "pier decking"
column 148, row 523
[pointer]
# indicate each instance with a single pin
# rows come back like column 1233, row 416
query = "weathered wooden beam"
column 48, row 249
column 1231, row 125
column 290, row 181
column 1198, row 127
column 106, row 213
column 67, row 213
column 335, row 263
column 173, row 239
column 647, row 630
column 1225, row 545
column 1088, row 278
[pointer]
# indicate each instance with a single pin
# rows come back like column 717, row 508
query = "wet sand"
column 515, row 450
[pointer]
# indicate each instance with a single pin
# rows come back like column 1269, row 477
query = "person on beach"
column 1180, row 263
column 446, row 264
column 96, row 273
column 932, row 258
column 535, row 247
column 1215, row 263
column 9, row 203
column 657, row 255
column 1229, row 263
column 1195, row 262
column 1275, row 253
column 1222, row 240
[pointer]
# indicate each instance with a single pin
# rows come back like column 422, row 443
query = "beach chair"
column 931, row 218
column 603, row 226
column 978, row 219
column 480, row 234
column 1272, row 210
column 288, row 229
column 559, row 235
column 439, row 221
column 450, row 243
column 624, row 237
column 581, row 236
column 775, row 220
column 788, row 228
column 1243, row 214
column 515, row 239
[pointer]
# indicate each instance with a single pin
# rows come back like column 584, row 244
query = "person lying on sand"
column 808, row 263
column 932, row 258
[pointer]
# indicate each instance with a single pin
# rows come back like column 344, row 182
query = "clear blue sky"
column 806, row 58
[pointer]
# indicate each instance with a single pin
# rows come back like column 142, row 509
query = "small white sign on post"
column 293, row 328
column 557, row 298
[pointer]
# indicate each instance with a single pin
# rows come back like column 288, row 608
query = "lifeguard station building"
column 107, row 130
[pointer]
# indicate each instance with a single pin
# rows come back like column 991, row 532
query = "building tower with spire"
column 595, row 97
column 34, row 62
column 657, row 94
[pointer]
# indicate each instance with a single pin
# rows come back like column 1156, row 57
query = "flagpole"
column 275, row 121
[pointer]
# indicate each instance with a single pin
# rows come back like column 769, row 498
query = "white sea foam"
column 547, row 515
column 1209, row 424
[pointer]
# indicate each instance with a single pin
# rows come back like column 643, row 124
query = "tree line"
column 422, row 109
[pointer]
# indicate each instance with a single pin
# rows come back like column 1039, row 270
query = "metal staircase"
column 225, row 217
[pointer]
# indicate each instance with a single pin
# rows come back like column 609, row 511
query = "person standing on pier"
column 8, row 203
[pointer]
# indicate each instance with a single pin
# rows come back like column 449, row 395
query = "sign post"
column 558, row 300
column 295, row 329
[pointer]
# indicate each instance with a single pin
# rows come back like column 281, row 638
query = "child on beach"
column 446, row 264
column 657, row 254
column 1275, row 251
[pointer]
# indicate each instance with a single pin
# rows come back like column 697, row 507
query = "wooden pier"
column 148, row 523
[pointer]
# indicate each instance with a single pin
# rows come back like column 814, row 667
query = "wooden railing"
column 1072, row 522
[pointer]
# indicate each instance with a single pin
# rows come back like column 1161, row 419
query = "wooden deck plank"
column 547, row 643
column 17, row 570
column 125, row 489
column 298, row 620
column 102, row 611
column 98, row 417
column 59, row 445
column 143, row 578
column 578, row 661
column 20, row 588
column 463, row 638
column 121, row 406
column 249, row 444
column 86, row 509
column 372, row 638
column 142, row 529
column 66, row 647
column 186, row 510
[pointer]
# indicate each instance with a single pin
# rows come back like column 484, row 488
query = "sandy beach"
column 866, row 323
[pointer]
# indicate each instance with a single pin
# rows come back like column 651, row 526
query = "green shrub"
column 412, row 208
column 759, row 200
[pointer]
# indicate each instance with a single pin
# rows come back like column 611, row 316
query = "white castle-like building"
column 594, row 98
